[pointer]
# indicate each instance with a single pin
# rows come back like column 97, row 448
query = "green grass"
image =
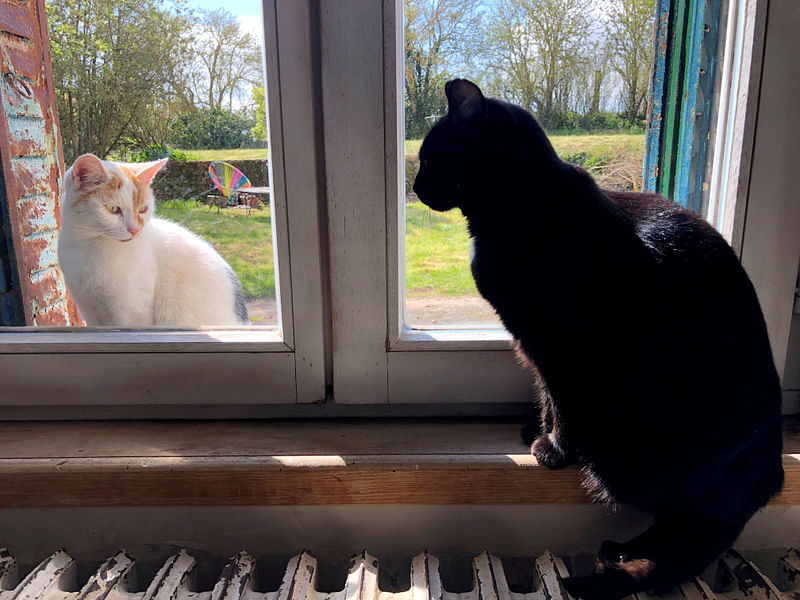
column 245, row 242
column 228, row 154
column 412, row 146
column 614, row 159
column 437, row 253
column 437, row 244
column 598, row 145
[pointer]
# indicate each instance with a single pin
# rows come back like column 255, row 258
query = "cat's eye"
column 114, row 210
column 142, row 210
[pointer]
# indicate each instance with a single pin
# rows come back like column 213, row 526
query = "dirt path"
column 427, row 311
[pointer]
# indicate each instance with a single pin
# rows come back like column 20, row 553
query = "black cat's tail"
column 672, row 550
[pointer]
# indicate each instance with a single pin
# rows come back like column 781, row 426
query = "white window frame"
column 59, row 367
column 375, row 359
column 335, row 92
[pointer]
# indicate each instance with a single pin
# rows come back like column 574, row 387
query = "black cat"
column 644, row 329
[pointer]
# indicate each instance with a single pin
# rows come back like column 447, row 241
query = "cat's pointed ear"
column 88, row 171
column 147, row 171
column 465, row 101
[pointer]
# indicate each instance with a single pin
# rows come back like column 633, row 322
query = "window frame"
column 210, row 366
column 375, row 359
column 378, row 360
column 334, row 92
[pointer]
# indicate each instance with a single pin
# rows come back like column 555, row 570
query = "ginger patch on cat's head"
column 141, row 175
column 90, row 178
column 139, row 194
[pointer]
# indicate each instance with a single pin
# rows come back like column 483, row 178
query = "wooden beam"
column 288, row 463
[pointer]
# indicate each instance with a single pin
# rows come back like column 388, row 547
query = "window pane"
column 135, row 82
column 581, row 68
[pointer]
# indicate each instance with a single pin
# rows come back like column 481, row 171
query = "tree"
column 539, row 48
column 260, row 109
column 228, row 61
column 111, row 59
column 593, row 88
column 629, row 31
column 211, row 128
column 439, row 35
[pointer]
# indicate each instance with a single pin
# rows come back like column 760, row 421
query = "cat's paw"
column 530, row 432
column 548, row 453
column 610, row 554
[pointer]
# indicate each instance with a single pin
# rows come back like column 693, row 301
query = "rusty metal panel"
column 32, row 162
column 19, row 19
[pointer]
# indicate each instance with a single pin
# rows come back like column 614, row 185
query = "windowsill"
column 115, row 463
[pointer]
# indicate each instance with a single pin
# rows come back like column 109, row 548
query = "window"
column 335, row 99
column 52, row 367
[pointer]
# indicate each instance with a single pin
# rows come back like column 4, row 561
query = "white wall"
column 771, row 243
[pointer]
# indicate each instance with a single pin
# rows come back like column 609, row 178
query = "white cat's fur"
column 126, row 271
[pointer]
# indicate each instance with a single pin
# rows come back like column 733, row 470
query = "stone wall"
column 189, row 179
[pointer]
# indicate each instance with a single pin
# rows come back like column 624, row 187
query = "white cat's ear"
column 465, row 100
column 88, row 171
column 146, row 171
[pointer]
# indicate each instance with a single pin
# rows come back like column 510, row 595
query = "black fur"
column 642, row 325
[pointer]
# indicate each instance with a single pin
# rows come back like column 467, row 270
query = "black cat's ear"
column 465, row 100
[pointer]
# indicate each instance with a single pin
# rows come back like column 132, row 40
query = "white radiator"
column 734, row 578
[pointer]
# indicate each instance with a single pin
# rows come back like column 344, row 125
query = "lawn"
column 615, row 159
column 245, row 242
column 228, row 154
column 437, row 253
column 602, row 144
column 437, row 244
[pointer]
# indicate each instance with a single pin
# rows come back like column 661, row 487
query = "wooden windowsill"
column 290, row 463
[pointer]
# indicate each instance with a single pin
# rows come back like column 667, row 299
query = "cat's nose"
column 133, row 231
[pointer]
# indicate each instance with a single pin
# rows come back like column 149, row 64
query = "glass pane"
column 587, row 85
column 161, row 94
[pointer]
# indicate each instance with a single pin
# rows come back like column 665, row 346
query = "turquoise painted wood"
column 654, row 121
column 697, row 188
column 688, row 110
column 680, row 105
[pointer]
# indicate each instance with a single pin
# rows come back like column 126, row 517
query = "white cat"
column 125, row 267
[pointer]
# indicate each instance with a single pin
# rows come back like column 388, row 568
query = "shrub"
column 571, row 122
column 585, row 160
column 156, row 151
column 212, row 128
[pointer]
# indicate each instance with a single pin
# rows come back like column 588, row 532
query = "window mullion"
column 297, row 197
column 353, row 111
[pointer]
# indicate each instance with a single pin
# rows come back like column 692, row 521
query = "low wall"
column 188, row 179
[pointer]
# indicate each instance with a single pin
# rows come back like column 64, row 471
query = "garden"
column 439, row 285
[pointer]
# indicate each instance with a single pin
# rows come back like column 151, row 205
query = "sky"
column 248, row 12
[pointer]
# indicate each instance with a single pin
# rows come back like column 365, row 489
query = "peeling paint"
column 650, row 168
column 27, row 137
column 33, row 165
column 37, row 214
column 15, row 105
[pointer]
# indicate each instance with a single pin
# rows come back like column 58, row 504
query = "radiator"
column 733, row 578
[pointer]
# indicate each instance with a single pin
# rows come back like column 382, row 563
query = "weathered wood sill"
column 290, row 463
